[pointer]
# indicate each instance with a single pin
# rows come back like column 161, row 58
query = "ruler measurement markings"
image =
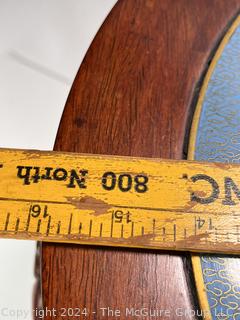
column 174, row 232
column 132, row 229
column 111, row 230
column 100, row 231
column 80, row 228
column 70, row 224
column 48, row 226
column 216, row 235
column 164, row 234
column 28, row 222
column 122, row 230
column 58, row 227
column 39, row 225
column 195, row 226
column 140, row 224
column 7, row 221
column 90, row 228
column 210, row 224
column 153, row 227
column 219, row 212
column 17, row 225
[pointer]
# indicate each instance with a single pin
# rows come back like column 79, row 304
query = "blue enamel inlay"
column 218, row 139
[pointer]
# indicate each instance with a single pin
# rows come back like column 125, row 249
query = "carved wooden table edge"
column 113, row 108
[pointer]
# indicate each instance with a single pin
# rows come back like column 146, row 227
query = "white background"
column 42, row 44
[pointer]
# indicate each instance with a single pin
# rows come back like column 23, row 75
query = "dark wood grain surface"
column 134, row 95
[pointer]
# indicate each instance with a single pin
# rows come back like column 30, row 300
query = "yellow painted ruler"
column 120, row 201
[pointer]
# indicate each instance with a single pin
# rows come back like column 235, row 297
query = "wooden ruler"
column 120, row 201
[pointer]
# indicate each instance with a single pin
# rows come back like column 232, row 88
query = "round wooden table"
column 134, row 95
